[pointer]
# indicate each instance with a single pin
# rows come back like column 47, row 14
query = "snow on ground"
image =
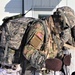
column 72, row 66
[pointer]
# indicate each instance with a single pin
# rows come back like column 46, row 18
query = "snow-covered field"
column 5, row 72
column 72, row 66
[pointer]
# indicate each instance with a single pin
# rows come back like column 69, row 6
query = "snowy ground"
column 4, row 72
column 72, row 66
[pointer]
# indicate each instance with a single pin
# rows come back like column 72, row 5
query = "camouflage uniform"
column 33, row 45
column 55, row 41
column 33, row 51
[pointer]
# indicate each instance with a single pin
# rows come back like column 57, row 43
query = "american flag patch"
column 40, row 35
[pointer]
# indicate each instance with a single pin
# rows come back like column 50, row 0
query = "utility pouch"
column 37, row 40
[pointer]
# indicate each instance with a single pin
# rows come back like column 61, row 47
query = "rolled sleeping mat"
column 67, row 60
column 54, row 64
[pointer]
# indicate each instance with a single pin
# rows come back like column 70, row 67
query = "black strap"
column 45, row 35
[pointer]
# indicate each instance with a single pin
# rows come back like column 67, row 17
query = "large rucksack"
column 12, row 33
